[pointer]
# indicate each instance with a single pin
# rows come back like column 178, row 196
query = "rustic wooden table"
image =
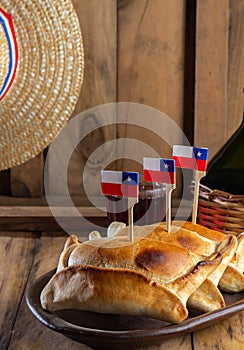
column 24, row 256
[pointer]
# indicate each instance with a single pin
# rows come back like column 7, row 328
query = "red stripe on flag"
column 201, row 165
column 121, row 190
column 185, row 162
column 130, row 191
column 190, row 163
column 111, row 189
column 159, row 176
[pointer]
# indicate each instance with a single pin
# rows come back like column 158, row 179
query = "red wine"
column 149, row 209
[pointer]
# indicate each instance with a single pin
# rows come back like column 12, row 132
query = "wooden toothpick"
column 169, row 189
column 198, row 175
column 131, row 203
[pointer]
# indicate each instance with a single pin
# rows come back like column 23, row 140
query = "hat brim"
column 48, row 79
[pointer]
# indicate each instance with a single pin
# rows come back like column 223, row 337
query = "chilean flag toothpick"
column 188, row 157
column 122, row 184
column 194, row 158
column 161, row 170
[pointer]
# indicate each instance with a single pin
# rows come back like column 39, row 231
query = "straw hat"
column 41, row 73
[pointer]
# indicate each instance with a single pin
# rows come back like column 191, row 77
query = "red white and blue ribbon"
column 188, row 157
column 159, row 170
column 8, row 27
column 120, row 183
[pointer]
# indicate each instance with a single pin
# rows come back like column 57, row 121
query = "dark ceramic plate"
column 103, row 331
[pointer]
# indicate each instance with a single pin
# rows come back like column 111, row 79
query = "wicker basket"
column 221, row 211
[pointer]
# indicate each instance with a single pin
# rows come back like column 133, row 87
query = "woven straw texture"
column 221, row 211
column 48, row 79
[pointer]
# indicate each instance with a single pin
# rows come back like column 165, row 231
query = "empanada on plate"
column 233, row 279
column 145, row 278
column 201, row 241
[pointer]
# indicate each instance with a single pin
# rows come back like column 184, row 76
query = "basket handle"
column 224, row 195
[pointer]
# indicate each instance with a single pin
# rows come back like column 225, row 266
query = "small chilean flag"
column 159, row 170
column 120, row 183
column 188, row 157
column 7, row 24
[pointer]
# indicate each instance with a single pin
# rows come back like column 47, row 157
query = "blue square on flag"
column 130, row 178
column 167, row 165
column 200, row 153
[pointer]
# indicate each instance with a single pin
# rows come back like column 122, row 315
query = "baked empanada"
column 147, row 277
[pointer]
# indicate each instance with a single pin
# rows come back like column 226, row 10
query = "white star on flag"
column 199, row 154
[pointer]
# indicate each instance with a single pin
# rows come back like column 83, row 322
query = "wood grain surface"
column 211, row 74
column 26, row 180
column 14, row 218
column 27, row 256
column 145, row 51
column 135, row 51
column 16, row 261
column 39, row 218
column 98, row 21
column 151, row 63
column 235, row 103
column 226, row 335
column 219, row 95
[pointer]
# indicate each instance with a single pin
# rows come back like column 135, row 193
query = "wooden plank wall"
column 183, row 57
column 211, row 73
column 151, row 63
column 98, row 21
column 235, row 90
column 219, row 95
